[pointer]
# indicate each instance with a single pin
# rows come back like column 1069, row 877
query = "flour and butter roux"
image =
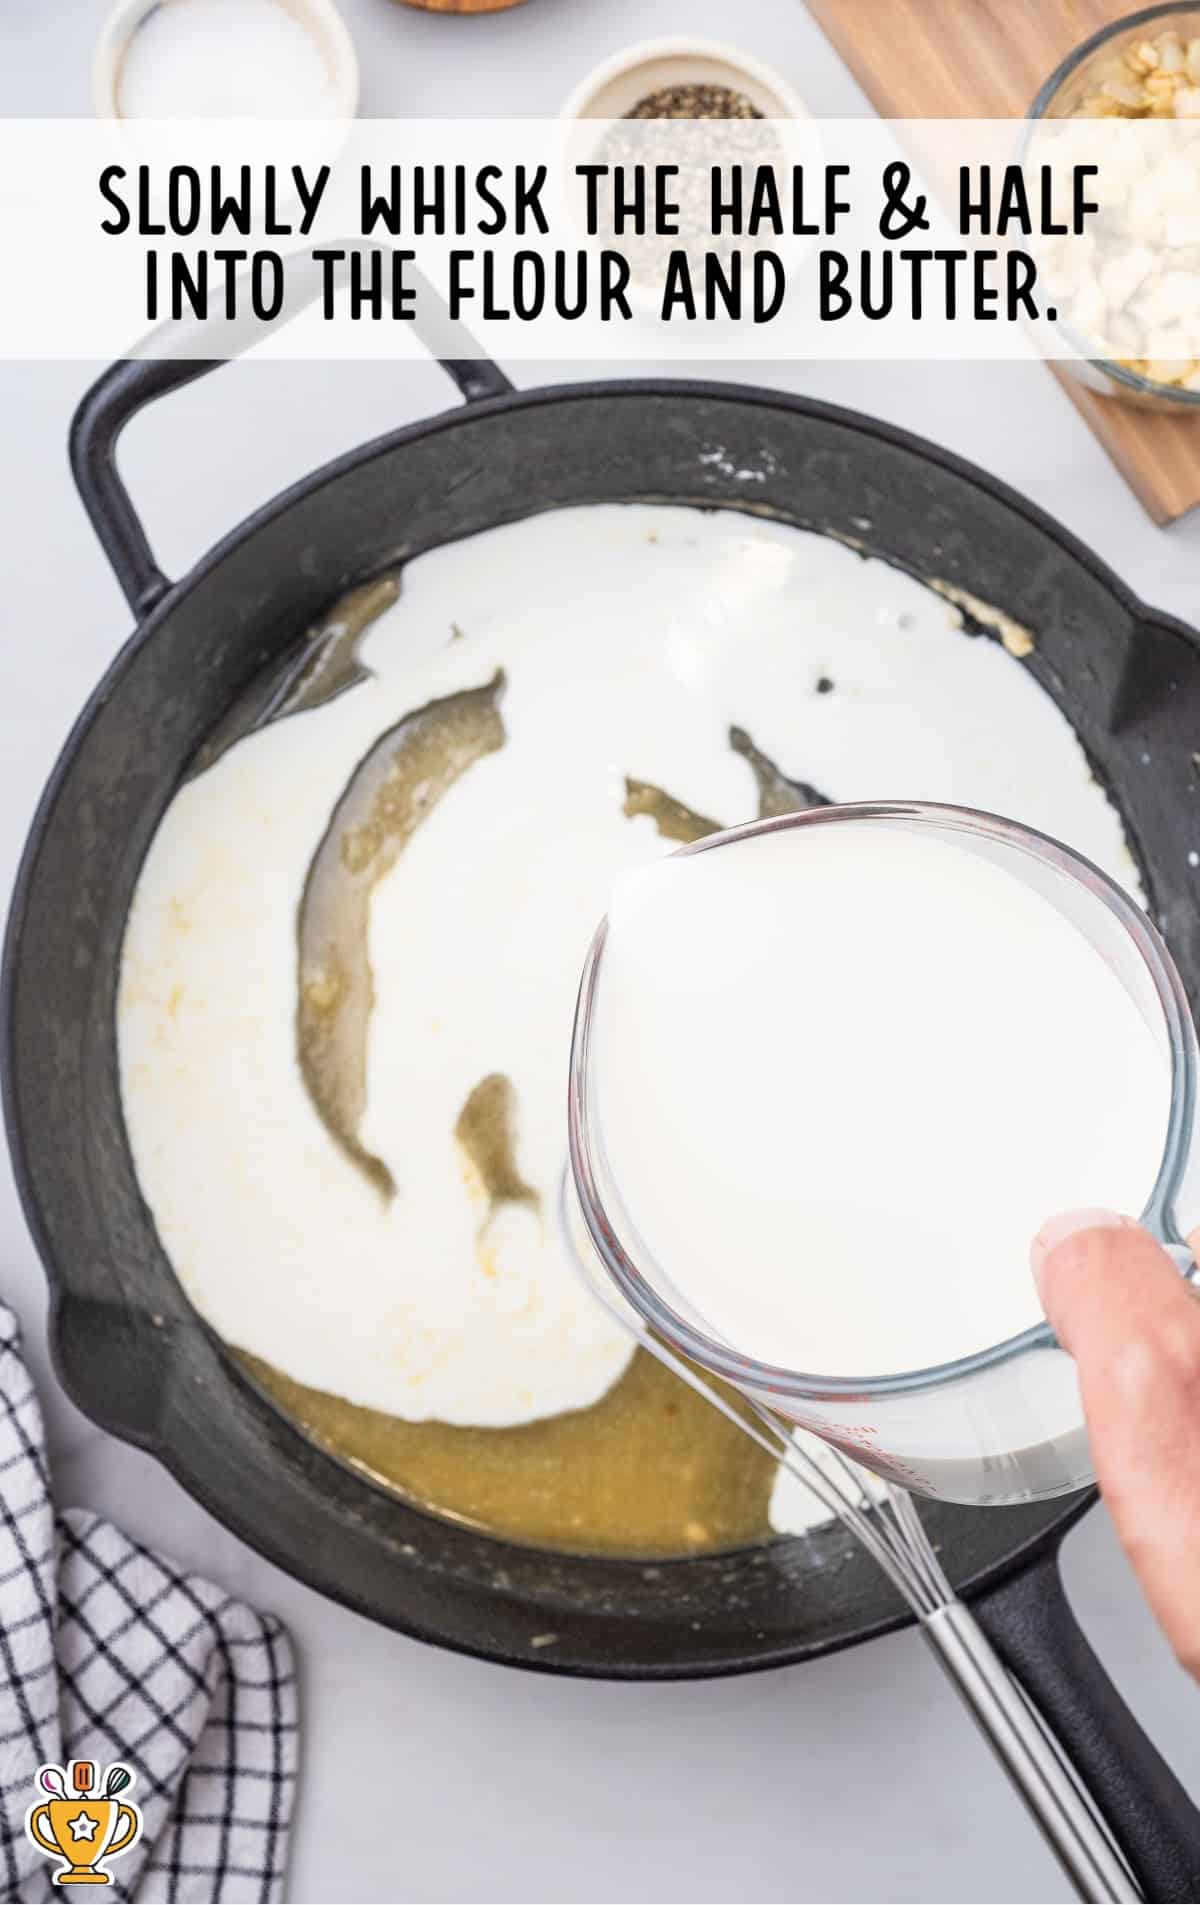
column 627, row 649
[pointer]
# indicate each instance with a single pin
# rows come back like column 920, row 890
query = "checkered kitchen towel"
column 108, row 1652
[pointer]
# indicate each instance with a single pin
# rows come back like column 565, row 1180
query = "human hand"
column 1119, row 1305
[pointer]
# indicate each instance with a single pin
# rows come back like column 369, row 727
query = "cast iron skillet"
column 129, row 1348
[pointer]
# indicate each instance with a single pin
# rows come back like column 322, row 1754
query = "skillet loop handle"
column 1029, row 1622
column 174, row 356
column 116, row 396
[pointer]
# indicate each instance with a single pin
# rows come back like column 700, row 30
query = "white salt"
column 224, row 59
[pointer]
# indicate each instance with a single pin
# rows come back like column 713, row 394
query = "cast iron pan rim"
column 636, row 388
column 365, row 453
column 164, row 1448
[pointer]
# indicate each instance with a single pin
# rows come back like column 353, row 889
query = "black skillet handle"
column 131, row 383
column 1029, row 1622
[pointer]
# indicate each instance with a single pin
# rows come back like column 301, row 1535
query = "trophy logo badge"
column 86, row 1825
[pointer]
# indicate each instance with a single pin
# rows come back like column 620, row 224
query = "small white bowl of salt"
column 225, row 59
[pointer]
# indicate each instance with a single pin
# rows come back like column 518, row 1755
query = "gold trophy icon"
column 86, row 1827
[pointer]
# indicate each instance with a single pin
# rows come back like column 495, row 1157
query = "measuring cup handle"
column 1029, row 1621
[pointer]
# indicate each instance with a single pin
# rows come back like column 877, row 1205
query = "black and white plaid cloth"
column 108, row 1652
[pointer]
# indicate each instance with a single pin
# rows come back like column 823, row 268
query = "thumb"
column 1119, row 1305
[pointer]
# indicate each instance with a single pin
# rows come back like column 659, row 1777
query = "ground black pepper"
column 736, row 136
column 694, row 102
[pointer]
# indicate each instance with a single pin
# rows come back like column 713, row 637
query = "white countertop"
column 426, row 1776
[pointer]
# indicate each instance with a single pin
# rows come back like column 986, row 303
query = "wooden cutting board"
column 987, row 59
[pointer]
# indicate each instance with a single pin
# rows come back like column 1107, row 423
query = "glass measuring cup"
column 1004, row 1424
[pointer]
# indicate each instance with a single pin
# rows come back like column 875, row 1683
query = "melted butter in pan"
column 486, row 1130
column 396, row 784
column 649, row 1470
column 673, row 820
column 776, row 793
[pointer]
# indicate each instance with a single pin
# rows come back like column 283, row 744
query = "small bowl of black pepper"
column 683, row 79
column 694, row 107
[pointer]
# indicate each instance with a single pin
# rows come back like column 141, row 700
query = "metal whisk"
column 890, row 1529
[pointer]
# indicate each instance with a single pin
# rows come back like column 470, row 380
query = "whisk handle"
column 1029, row 1621
column 1052, row 1796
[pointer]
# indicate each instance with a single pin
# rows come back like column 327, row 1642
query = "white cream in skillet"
column 631, row 640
